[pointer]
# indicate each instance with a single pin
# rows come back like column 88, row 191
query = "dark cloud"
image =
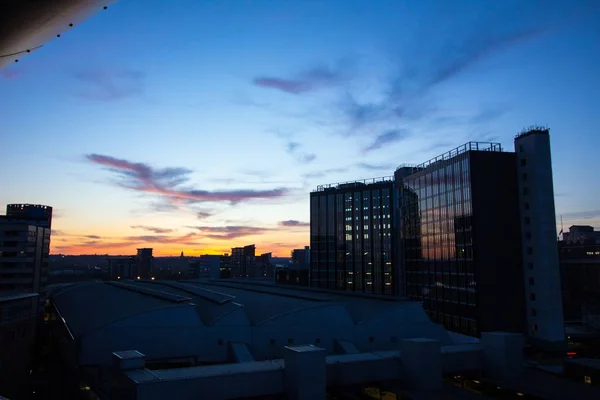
column 168, row 182
column 110, row 85
column 386, row 138
column 308, row 81
column 93, row 237
column 291, row 223
column 203, row 214
column 162, row 239
column 56, row 232
column 292, row 146
column 229, row 232
column 152, row 229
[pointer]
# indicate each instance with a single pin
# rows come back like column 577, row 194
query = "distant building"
column 242, row 261
column 538, row 224
column 17, row 332
column 122, row 267
column 580, row 278
column 264, row 266
column 352, row 237
column 300, row 258
column 582, row 234
column 144, row 263
column 206, row 267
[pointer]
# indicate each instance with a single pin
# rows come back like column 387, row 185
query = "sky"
column 201, row 125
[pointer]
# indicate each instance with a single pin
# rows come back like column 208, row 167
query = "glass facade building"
column 459, row 238
column 352, row 237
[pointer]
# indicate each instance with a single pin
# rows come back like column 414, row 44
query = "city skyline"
column 204, row 126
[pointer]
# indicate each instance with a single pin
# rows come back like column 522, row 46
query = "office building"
column 205, row 267
column 242, row 261
column 459, row 240
column 538, row 224
column 582, row 234
column 352, row 234
column 144, row 262
column 264, row 266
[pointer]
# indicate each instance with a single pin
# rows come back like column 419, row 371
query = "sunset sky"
column 200, row 125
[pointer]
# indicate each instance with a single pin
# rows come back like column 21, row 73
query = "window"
column 531, row 281
column 527, row 220
column 523, row 162
column 529, row 265
column 521, row 148
column 526, row 205
column 532, row 296
column 525, row 191
column 529, row 251
column 533, row 312
column 524, row 177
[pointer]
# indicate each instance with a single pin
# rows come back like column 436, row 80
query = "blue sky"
column 201, row 125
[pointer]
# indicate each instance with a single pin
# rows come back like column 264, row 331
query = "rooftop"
column 16, row 296
column 533, row 130
column 353, row 184
column 470, row 146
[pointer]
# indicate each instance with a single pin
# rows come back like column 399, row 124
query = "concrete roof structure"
column 199, row 321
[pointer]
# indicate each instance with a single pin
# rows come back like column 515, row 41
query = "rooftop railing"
column 350, row 184
column 470, row 146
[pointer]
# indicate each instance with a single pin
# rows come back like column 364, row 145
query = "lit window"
column 588, row 379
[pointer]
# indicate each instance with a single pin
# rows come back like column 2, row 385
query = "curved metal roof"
column 26, row 25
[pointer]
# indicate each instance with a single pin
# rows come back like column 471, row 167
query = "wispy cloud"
column 308, row 81
column 323, row 173
column 292, row 223
column 229, row 232
column 375, row 167
column 152, row 229
column 386, row 138
column 168, row 183
column 110, row 85
column 293, row 148
column 581, row 215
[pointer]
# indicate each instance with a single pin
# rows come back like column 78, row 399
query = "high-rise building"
column 460, row 242
column 24, row 249
column 242, row 261
column 352, row 235
column 538, row 223
column 144, row 260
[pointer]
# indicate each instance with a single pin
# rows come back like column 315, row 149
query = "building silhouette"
column 352, row 236
column 242, row 261
column 144, row 261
